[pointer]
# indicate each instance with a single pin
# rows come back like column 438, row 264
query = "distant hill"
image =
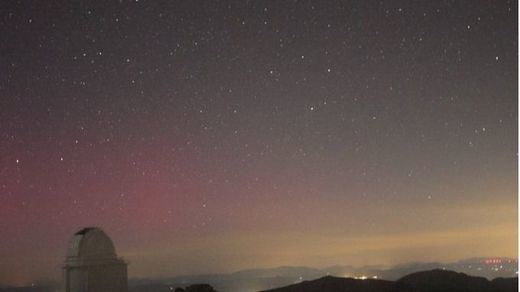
column 269, row 278
column 506, row 284
column 441, row 280
column 253, row 280
column 489, row 268
column 437, row 280
column 196, row 288
column 427, row 281
column 285, row 271
column 170, row 288
column 333, row 284
column 154, row 287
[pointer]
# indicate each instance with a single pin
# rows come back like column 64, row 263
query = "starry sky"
column 212, row 136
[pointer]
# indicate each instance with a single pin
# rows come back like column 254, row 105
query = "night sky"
column 212, row 136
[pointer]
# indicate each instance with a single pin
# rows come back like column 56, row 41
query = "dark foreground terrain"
column 427, row 281
column 437, row 280
column 253, row 280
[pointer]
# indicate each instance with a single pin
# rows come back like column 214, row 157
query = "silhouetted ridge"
column 197, row 288
column 333, row 284
column 505, row 284
column 169, row 288
column 443, row 280
column 427, row 281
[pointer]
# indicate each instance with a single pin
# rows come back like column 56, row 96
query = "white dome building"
column 92, row 264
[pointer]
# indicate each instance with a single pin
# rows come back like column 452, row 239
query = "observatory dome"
column 92, row 265
column 91, row 243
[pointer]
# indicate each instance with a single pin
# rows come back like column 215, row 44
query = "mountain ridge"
column 436, row 280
